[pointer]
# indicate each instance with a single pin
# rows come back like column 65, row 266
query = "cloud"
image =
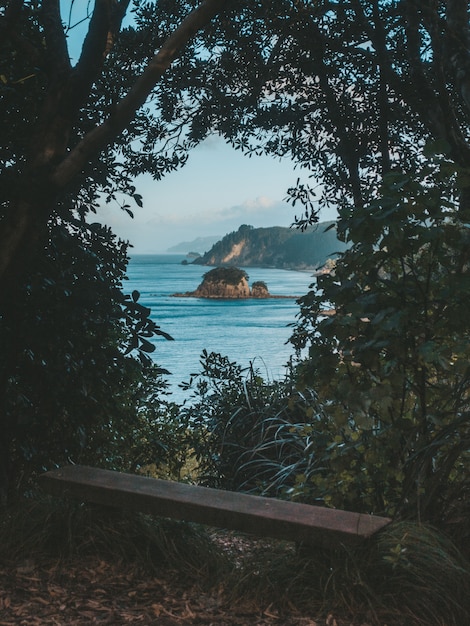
column 152, row 231
column 217, row 191
column 260, row 209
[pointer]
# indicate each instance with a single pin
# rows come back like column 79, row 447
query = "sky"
column 218, row 190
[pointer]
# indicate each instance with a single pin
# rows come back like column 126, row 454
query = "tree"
column 75, row 391
column 69, row 136
column 346, row 89
column 61, row 144
column 392, row 362
column 351, row 90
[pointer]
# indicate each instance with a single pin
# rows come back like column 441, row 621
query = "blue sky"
column 213, row 194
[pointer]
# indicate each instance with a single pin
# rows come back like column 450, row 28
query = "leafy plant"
column 408, row 574
column 64, row 149
column 228, row 275
column 78, row 379
column 52, row 528
column 392, row 364
column 250, row 434
column 387, row 429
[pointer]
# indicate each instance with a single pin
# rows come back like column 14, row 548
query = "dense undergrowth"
column 241, row 432
column 272, row 439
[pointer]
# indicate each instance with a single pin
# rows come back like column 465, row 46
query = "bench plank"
column 313, row 525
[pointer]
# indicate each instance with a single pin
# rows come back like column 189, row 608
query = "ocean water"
column 246, row 331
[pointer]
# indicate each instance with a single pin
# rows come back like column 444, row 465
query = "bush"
column 219, row 418
column 250, row 434
column 271, row 439
column 392, row 364
column 75, row 377
column 407, row 574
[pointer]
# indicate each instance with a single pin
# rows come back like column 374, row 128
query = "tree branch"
column 69, row 88
column 125, row 110
column 104, row 25
column 58, row 60
column 432, row 103
column 458, row 45
column 347, row 147
column 9, row 31
column 11, row 18
column 384, row 112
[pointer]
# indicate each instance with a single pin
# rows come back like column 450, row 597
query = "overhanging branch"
column 103, row 135
column 105, row 23
column 58, row 59
column 458, row 42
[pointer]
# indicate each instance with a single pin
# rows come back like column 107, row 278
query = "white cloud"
column 261, row 208
column 217, row 191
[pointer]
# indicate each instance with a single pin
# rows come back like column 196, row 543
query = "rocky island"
column 229, row 283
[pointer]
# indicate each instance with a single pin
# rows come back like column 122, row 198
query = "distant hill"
column 200, row 245
column 275, row 246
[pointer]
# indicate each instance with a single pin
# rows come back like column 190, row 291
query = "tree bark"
column 124, row 112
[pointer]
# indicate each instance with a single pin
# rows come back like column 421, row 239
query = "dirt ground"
column 93, row 591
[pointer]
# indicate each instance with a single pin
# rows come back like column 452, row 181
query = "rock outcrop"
column 224, row 282
column 259, row 289
column 227, row 283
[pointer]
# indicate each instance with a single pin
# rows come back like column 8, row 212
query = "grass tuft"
column 422, row 571
column 63, row 530
column 408, row 574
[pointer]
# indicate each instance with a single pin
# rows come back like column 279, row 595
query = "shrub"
column 392, row 364
column 76, row 377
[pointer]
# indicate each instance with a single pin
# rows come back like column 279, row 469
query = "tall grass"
column 408, row 574
column 49, row 527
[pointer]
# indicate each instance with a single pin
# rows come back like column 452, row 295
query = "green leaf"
column 138, row 199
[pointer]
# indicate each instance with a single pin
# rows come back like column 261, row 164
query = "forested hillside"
column 276, row 247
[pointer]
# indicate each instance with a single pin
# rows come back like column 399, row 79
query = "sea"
column 245, row 331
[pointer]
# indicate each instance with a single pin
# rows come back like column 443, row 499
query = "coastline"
column 193, row 294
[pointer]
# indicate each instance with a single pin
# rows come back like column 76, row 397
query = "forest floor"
column 95, row 590
column 92, row 591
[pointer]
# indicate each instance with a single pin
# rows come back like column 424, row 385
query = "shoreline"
column 193, row 294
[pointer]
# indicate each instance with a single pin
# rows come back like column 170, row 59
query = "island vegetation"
column 370, row 99
column 229, row 283
column 283, row 248
column 222, row 282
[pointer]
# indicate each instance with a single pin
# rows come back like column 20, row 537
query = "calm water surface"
column 243, row 330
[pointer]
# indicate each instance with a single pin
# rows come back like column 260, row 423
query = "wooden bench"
column 303, row 523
